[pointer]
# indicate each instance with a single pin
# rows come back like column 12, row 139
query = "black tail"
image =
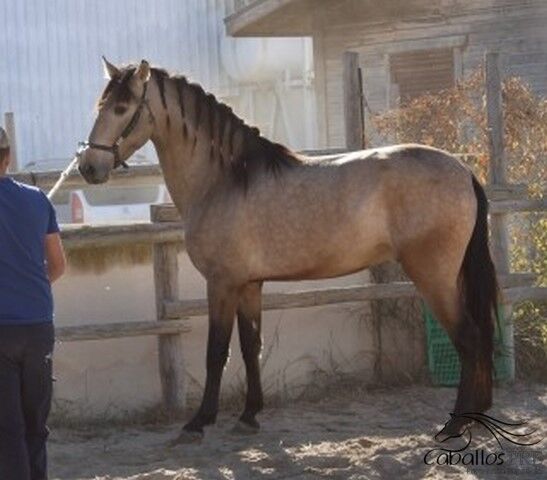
column 478, row 278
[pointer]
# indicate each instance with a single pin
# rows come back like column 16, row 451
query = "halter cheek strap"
column 114, row 148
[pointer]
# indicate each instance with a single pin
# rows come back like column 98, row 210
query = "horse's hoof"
column 187, row 437
column 244, row 428
column 454, row 428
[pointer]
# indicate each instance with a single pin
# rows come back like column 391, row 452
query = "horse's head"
column 455, row 427
column 124, row 122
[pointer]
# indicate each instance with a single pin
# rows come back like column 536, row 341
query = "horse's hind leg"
column 223, row 300
column 248, row 321
column 435, row 274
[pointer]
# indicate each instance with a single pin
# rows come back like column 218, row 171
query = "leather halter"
column 114, row 148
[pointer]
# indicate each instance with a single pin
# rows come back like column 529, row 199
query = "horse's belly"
column 320, row 242
column 324, row 259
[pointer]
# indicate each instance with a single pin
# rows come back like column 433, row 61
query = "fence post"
column 383, row 312
column 496, row 176
column 353, row 102
column 9, row 122
column 354, row 128
column 170, row 348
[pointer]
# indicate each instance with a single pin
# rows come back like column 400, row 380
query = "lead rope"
column 62, row 178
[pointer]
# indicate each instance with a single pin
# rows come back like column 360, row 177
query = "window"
column 422, row 71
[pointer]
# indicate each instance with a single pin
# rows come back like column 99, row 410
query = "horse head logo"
column 459, row 425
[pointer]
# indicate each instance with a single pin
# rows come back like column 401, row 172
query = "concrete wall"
column 302, row 347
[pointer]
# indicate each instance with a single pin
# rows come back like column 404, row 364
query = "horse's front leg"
column 223, row 300
column 248, row 322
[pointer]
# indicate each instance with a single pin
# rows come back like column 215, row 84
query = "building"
column 406, row 47
column 51, row 73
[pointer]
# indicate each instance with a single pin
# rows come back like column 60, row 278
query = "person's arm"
column 55, row 256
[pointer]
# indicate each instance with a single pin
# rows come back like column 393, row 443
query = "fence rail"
column 97, row 331
column 171, row 228
column 515, row 288
column 135, row 175
column 151, row 174
column 98, row 236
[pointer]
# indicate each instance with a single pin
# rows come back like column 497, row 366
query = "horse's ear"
column 110, row 70
column 143, row 71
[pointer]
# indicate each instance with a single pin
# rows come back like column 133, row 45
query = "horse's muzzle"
column 94, row 170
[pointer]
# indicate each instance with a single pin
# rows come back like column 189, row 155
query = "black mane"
column 255, row 152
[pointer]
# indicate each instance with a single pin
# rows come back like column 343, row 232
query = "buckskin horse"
column 256, row 211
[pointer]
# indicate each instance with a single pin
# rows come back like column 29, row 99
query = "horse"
column 255, row 211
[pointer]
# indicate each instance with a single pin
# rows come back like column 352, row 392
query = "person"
column 31, row 258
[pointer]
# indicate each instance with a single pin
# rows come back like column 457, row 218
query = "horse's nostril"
column 88, row 169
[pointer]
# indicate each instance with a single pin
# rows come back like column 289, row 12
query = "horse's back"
column 402, row 159
column 420, row 188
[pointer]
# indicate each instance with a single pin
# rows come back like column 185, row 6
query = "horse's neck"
column 188, row 173
column 185, row 158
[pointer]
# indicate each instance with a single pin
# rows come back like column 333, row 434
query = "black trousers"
column 25, row 400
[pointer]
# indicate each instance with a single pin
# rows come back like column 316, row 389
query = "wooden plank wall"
column 516, row 28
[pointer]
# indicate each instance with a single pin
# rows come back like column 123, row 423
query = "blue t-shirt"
column 26, row 217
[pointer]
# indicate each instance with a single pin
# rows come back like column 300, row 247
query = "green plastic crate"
column 443, row 361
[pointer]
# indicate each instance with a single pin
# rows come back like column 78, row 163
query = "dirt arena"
column 348, row 434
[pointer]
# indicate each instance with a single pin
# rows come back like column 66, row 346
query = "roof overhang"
column 272, row 18
column 283, row 18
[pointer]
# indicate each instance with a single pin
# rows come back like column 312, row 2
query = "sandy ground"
column 350, row 434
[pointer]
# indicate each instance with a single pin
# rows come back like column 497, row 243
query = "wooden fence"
column 165, row 235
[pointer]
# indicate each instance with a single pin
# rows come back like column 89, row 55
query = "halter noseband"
column 114, row 148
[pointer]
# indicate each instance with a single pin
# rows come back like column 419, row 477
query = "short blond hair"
column 4, row 144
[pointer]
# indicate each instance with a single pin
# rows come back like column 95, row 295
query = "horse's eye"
column 120, row 109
